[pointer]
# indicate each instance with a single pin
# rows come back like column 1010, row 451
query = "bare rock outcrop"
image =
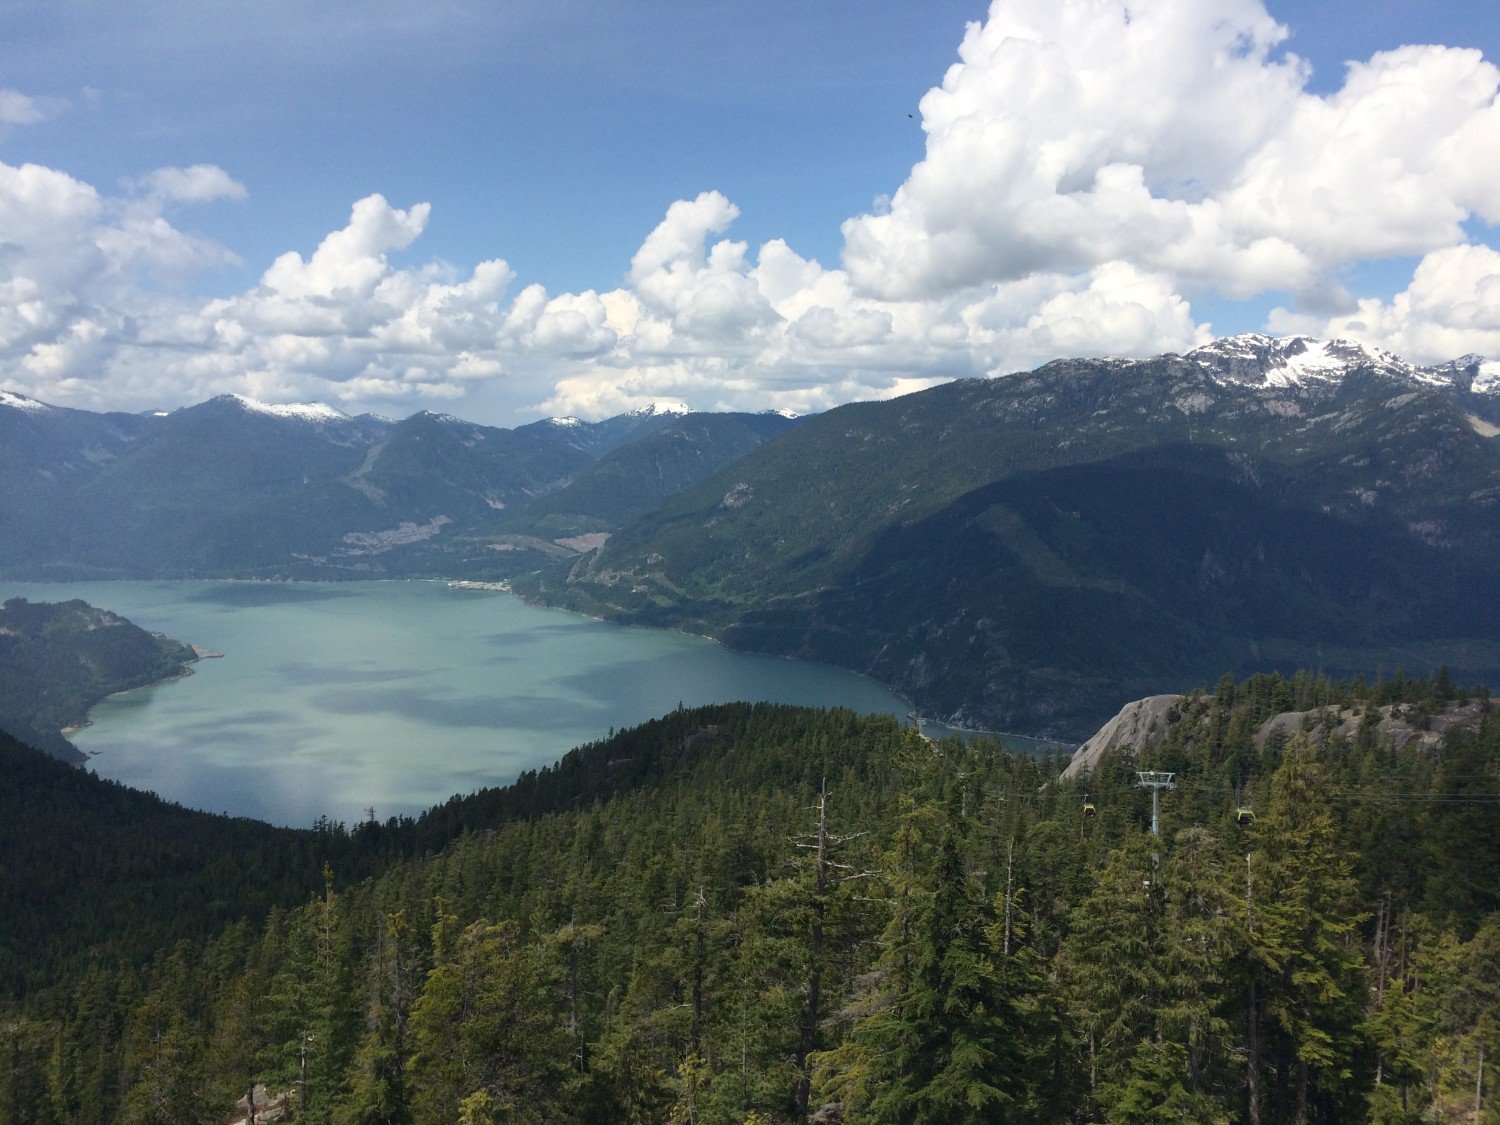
column 1398, row 726
column 1139, row 725
column 1143, row 724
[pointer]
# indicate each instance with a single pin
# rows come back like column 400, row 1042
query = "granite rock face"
column 1139, row 725
column 1142, row 724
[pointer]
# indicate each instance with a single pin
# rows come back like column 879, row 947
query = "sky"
column 509, row 209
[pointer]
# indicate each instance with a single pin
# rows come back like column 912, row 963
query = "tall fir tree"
column 1309, row 969
column 943, row 1041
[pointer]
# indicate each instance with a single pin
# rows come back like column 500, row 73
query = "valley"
column 993, row 550
column 551, row 846
column 780, row 564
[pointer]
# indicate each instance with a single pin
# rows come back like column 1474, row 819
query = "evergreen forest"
column 761, row 913
column 60, row 659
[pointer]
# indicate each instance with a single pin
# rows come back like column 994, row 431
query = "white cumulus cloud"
column 1092, row 168
column 200, row 183
column 1174, row 135
column 1451, row 308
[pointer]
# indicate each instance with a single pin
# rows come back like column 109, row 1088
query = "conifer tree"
column 377, row 1085
column 1309, row 971
column 1198, row 944
column 313, row 1016
column 1112, row 975
column 1181, row 1070
column 488, row 1021
column 942, row 1042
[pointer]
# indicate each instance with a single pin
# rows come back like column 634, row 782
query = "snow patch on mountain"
column 21, row 402
column 1301, row 361
column 567, row 422
column 1291, row 361
column 660, row 406
column 302, row 411
column 1487, row 382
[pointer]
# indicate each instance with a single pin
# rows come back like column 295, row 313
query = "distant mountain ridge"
column 1028, row 552
column 233, row 486
column 1025, row 552
column 1302, row 361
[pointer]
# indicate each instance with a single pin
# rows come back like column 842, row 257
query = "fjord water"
column 333, row 698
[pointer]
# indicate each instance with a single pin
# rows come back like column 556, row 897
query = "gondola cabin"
column 1088, row 810
column 1244, row 816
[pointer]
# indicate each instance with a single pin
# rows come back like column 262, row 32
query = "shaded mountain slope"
column 237, row 487
column 638, row 477
column 57, row 661
column 1029, row 552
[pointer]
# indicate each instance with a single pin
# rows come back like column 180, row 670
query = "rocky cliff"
column 1142, row 724
column 1139, row 725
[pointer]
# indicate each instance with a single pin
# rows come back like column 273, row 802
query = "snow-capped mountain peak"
column 302, row 411
column 21, row 402
column 568, row 421
column 1290, row 361
column 446, row 419
column 661, row 406
column 1303, row 362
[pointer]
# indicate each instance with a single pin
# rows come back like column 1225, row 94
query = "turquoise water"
column 333, row 698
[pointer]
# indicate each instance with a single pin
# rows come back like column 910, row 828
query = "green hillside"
column 637, row 478
column 1027, row 553
column 57, row 661
column 774, row 914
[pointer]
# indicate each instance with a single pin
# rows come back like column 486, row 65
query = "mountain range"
column 237, row 487
column 1024, row 552
column 1028, row 552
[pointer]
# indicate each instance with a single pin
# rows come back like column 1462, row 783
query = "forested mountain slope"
column 635, row 479
column 92, row 871
column 238, row 487
column 1029, row 552
column 57, row 661
column 787, row 914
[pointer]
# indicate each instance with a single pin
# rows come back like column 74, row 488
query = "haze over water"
column 336, row 697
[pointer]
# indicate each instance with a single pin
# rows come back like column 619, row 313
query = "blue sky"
column 552, row 134
column 556, row 137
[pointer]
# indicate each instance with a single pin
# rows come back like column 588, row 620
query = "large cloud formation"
column 1091, row 168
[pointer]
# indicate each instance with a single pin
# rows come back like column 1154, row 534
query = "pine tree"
column 488, row 1021
column 1310, row 976
column 313, row 1015
column 1197, row 947
column 942, row 1042
column 1181, row 1070
column 1112, row 975
column 377, row 1085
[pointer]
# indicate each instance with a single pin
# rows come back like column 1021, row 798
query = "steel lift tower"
column 1156, row 781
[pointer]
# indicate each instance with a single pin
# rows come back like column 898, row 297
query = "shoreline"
column 911, row 712
column 88, row 722
column 726, row 646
